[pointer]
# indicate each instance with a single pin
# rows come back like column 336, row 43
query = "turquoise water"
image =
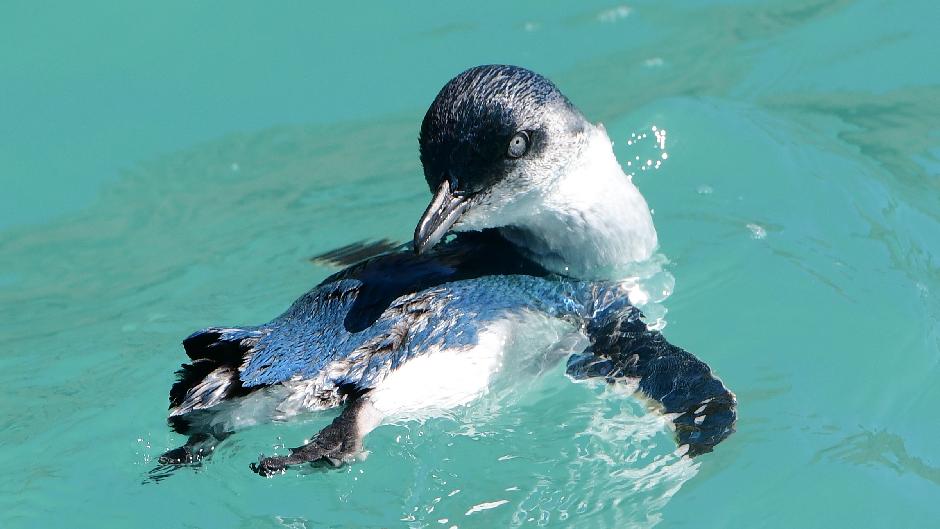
column 165, row 168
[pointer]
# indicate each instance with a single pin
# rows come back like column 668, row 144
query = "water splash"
column 647, row 152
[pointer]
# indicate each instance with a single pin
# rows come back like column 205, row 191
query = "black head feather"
column 467, row 130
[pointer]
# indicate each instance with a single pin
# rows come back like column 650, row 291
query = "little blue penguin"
column 532, row 219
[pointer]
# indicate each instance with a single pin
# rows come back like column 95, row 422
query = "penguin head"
column 493, row 141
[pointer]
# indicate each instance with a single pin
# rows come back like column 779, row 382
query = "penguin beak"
column 443, row 211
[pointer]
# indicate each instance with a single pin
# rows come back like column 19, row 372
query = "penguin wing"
column 622, row 347
column 356, row 252
column 355, row 325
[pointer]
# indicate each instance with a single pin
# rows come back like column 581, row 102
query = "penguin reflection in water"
column 544, row 223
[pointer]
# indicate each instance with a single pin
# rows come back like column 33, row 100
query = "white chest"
column 592, row 222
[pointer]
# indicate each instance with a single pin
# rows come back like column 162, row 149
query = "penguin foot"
column 334, row 445
column 268, row 466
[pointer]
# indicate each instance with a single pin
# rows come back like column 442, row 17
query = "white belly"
column 430, row 385
column 440, row 380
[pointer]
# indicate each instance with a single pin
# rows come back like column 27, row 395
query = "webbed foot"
column 317, row 451
column 198, row 448
column 173, row 460
column 183, row 455
column 335, row 444
column 268, row 466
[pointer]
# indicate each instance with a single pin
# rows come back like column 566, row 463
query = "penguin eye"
column 518, row 145
column 454, row 187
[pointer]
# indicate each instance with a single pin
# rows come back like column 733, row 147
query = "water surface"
column 170, row 168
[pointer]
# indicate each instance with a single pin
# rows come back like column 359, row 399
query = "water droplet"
column 757, row 231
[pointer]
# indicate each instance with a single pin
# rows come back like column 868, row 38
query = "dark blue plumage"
column 374, row 316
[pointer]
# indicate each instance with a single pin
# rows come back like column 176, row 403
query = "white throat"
column 591, row 222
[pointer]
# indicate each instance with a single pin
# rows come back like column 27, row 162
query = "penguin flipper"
column 623, row 347
column 356, row 252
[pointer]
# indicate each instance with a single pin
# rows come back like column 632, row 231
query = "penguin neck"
column 592, row 222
